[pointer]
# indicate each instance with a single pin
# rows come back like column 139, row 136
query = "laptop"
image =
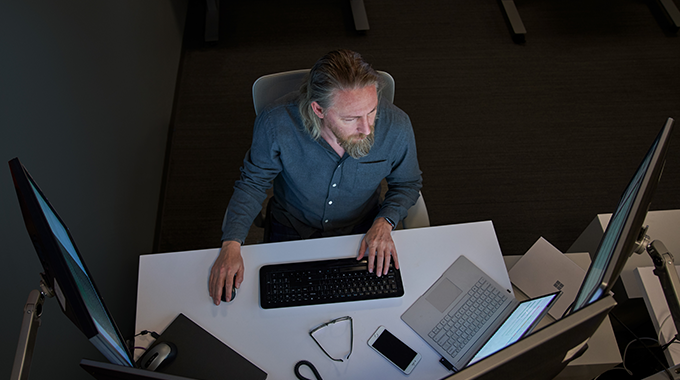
column 465, row 315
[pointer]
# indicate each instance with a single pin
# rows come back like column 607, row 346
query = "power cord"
column 144, row 332
column 625, row 353
column 638, row 339
column 675, row 338
column 154, row 334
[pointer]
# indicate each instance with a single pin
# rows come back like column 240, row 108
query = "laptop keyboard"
column 326, row 281
column 457, row 327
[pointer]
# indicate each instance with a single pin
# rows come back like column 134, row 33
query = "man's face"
column 351, row 119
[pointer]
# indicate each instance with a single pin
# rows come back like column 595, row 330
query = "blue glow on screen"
column 589, row 291
column 58, row 229
column 86, row 288
column 515, row 326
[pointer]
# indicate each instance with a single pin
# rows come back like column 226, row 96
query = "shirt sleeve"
column 405, row 180
column 260, row 166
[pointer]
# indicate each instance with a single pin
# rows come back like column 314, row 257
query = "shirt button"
column 330, row 202
column 335, row 185
column 325, row 221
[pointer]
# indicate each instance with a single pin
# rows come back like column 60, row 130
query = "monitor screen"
column 65, row 271
column 623, row 232
column 520, row 323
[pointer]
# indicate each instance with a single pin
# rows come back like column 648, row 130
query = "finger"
column 228, row 285
column 386, row 268
column 395, row 258
column 362, row 249
column 239, row 278
column 371, row 259
column 216, row 289
column 211, row 282
column 379, row 263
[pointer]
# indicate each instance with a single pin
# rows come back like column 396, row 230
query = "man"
column 326, row 149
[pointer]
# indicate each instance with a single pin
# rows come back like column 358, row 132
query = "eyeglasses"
column 351, row 342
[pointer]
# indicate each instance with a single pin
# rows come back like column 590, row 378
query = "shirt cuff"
column 240, row 241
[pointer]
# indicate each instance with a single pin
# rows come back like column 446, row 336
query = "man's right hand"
column 226, row 272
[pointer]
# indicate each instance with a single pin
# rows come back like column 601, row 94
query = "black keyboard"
column 326, row 281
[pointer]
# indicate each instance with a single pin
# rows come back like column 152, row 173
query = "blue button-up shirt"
column 315, row 188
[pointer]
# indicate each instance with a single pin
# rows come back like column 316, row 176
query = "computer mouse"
column 224, row 294
column 158, row 355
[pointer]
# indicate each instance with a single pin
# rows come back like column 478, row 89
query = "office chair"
column 268, row 88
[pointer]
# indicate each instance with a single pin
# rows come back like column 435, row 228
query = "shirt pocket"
column 370, row 173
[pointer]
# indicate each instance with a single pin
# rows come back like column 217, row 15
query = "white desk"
column 276, row 339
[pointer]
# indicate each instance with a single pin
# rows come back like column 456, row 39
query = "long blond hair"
column 338, row 70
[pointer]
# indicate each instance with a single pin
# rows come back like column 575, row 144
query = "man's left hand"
column 379, row 246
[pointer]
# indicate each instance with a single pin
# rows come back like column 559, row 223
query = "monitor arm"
column 664, row 269
column 29, row 330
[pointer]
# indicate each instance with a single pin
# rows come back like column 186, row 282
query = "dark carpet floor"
column 538, row 137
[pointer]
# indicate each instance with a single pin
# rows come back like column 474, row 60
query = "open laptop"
column 466, row 316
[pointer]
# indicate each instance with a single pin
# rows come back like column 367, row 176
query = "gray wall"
column 86, row 93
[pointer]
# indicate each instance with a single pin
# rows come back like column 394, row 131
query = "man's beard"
column 356, row 146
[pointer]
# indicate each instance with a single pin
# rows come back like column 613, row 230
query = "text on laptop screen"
column 516, row 326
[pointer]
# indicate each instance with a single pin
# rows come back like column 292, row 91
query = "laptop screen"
column 519, row 323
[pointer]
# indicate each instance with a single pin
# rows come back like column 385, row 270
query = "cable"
column 614, row 369
column 153, row 334
column 310, row 366
column 625, row 351
column 666, row 371
column 674, row 340
column 130, row 344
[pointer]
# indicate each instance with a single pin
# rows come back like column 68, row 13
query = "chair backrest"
column 270, row 87
column 417, row 215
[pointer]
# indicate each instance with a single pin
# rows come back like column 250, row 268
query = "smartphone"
column 394, row 350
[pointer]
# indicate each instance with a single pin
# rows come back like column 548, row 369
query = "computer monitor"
column 545, row 353
column 65, row 272
column 625, row 232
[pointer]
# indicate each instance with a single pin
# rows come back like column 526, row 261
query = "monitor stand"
column 664, row 269
column 29, row 330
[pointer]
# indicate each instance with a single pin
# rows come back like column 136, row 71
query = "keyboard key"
column 461, row 324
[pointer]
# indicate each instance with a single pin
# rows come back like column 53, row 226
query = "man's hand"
column 226, row 272
column 380, row 247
